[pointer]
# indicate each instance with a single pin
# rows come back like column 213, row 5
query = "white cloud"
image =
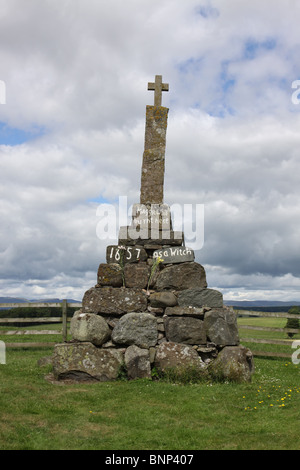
column 77, row 72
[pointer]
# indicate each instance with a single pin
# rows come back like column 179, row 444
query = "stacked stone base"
column 140, row 322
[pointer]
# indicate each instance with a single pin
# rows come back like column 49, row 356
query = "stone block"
column 200, row 297
column 131, row 254
column 89, row 327
column 137, row 361
column 234, row 363
column 162, row 299
column 137, row 275
column 181, row 276
column 187, row 330
column 221, row 327
column 152, row 216
column 185, row 312
column 131, row 236
column 170, row 355
column 136, row 328
column 109, row 275
column 84, row 361
column 173, row 255
column 113, row 301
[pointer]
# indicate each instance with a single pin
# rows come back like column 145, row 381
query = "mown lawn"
column 267, row 335
column 147, row 415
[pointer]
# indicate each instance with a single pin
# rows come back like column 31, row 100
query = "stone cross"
column 151, row 225
column 158, row 87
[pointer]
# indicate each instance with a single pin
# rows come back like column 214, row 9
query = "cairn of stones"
column 151, row 309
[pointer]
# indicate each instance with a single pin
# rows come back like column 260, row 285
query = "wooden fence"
column 286, row 342
column 64, row 305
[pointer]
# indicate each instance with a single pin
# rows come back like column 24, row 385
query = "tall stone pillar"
column 153, row 167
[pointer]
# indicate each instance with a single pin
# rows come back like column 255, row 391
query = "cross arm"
column 158, row 87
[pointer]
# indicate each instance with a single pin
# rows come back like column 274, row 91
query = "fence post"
column 64, row 308
column 2, row 353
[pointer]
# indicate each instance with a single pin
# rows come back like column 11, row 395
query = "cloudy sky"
column 73, row 92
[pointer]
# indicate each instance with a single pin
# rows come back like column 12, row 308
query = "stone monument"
column 151, row 307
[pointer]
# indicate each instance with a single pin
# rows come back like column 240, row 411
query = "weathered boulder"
column 137, row 361
column 109, row 275
column 221, row 327
column 187, row 330
column 234, row 363
column 89, row 327
column 136, row 328
column 199, row 297
column 109, row 300
column 181, row 276
column 185, row 312
column 170, row 355
column 163, row 299
column 84, row 361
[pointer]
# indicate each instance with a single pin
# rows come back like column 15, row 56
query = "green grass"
column 145, row 415
column 268, row 335
column 48, row 338
column 271, row 322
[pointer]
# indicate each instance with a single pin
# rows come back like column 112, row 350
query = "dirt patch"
column 69, row 380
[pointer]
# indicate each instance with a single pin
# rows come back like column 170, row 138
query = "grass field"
column 268, row 335
column 147, row 415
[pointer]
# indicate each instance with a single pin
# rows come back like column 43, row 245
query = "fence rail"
column 285, row 342
column 64, row 305
column 253, row 313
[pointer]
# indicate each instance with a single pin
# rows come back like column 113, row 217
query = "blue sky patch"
column 227, row 80
column 13, row 136
column 190, row 65
column 220, row 110
column 253, row 47
column 207, row 11
column 99, row 200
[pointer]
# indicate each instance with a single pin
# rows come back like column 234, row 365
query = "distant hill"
column 53, row 300
column 14, row 300
column 234, row 303
column 260, row 303
column 18, row 300
column 38, row 311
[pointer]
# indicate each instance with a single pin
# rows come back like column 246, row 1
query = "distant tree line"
column 38, row 312
column 293, row 323
column 266, row 309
